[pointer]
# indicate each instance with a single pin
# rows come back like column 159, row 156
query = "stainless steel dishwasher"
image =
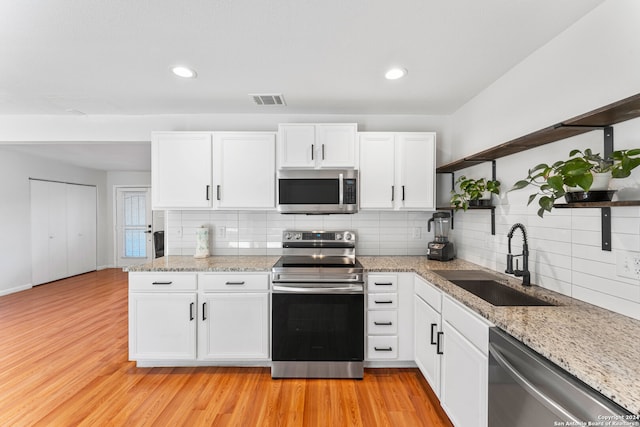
column 527, row 390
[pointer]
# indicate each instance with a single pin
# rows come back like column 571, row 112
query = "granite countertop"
column 600, row 347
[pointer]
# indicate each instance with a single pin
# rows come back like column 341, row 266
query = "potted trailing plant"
column 473, row 192
column 576, row 175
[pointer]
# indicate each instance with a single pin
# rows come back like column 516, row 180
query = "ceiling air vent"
column 268, row 98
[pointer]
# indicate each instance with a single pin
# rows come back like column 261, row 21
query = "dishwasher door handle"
column 530, row 387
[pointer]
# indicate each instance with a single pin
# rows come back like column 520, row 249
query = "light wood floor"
column 63, row 362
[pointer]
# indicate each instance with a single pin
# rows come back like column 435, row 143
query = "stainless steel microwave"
column 318, row 191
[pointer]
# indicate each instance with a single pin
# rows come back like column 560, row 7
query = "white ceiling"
column 325, row 56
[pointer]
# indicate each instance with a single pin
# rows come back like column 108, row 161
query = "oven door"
column 317, row 327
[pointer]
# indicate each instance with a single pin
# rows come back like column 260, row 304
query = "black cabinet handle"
column 433, row 340
column 191, row 317
column 218, row 192
column 392, row 193
column 383, row 283
column 403, row 193
column 312, row 150
column 322, row 151
column 383, row 302
column 234, row 283
column 383, row 323
column 383, row 349
column 439, row 342
column 161, row 283
column 207, row 192
column 204, row 311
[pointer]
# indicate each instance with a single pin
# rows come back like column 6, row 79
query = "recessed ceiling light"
column 184, row 72
column 395, row 73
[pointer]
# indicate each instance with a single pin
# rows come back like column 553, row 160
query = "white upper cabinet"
column 305, row 145
column 244, row 169
column 397, row 170
column 181, row 173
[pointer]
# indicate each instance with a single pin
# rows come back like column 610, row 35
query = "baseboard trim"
column 16, row 289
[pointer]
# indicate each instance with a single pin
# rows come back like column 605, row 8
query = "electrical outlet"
column 222, row 231
column 628, row 265
column 416, row 233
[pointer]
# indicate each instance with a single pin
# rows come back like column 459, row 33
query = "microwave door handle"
column 340, row 189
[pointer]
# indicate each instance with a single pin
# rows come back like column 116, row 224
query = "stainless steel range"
column 318, row 307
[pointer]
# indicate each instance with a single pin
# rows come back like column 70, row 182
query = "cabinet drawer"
column 428, row 293
column 382, row 283
column 233, row 282
column 380, row 301
column 382, row 347
column 163, row 282
column 470, row 325
column 382, row 322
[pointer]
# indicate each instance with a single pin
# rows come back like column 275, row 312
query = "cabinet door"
column 81, row 229
column 336, row 145
column 427, row 326
column 377, row 170
column 181, row 170
column 234, row 326
column 245, row 170
column 464, row 379
column 416, row 163
column 162, row 326
column 297, row 145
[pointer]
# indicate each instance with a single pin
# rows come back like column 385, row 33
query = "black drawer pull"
column 383, row 349
column 204, row 311
column 383, row 283
column 161, row 283
column 383, row 323
column 234, row 283
column 191, row 316
column 383, row 302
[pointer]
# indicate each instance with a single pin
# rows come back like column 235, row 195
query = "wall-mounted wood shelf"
column 626, row 109
column 597, row 204
column 601, row 118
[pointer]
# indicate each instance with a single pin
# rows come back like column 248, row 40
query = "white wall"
column 593, row 63
column 15, row 251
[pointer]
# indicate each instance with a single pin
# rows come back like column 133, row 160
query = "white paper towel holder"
column 202, row 242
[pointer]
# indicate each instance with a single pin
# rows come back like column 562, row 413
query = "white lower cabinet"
column 451, row 351
column 464, row 375
column 234, row 326
column 427, row 332
column 389, row 317
column 234, row 317
column 162, row 317
column 196, row 318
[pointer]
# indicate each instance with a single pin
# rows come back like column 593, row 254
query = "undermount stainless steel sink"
column 478, row 283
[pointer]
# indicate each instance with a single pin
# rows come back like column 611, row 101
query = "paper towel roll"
column 202, row 242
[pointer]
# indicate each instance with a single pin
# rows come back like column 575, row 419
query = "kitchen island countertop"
column 598, row 346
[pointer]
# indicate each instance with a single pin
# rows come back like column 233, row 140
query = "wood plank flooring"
column 63, row 362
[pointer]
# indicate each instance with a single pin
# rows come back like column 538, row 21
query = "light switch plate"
column 628, row 264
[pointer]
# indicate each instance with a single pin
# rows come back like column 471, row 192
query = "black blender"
column 441, row 248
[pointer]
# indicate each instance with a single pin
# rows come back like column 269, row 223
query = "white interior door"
column 134, row 226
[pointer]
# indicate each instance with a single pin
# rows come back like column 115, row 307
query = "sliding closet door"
column 81, row 229
column 48, row 231
column 63, row 230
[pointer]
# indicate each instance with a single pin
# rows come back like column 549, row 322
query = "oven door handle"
column 319, row 290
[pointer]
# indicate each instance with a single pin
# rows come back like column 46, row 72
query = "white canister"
column 202, row 242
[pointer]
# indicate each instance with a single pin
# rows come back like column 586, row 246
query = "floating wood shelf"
column 601, row 118
column 626, row 109
column 451, row 208
column 597, row 204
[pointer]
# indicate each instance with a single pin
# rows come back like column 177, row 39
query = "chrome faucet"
column 524, row 273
